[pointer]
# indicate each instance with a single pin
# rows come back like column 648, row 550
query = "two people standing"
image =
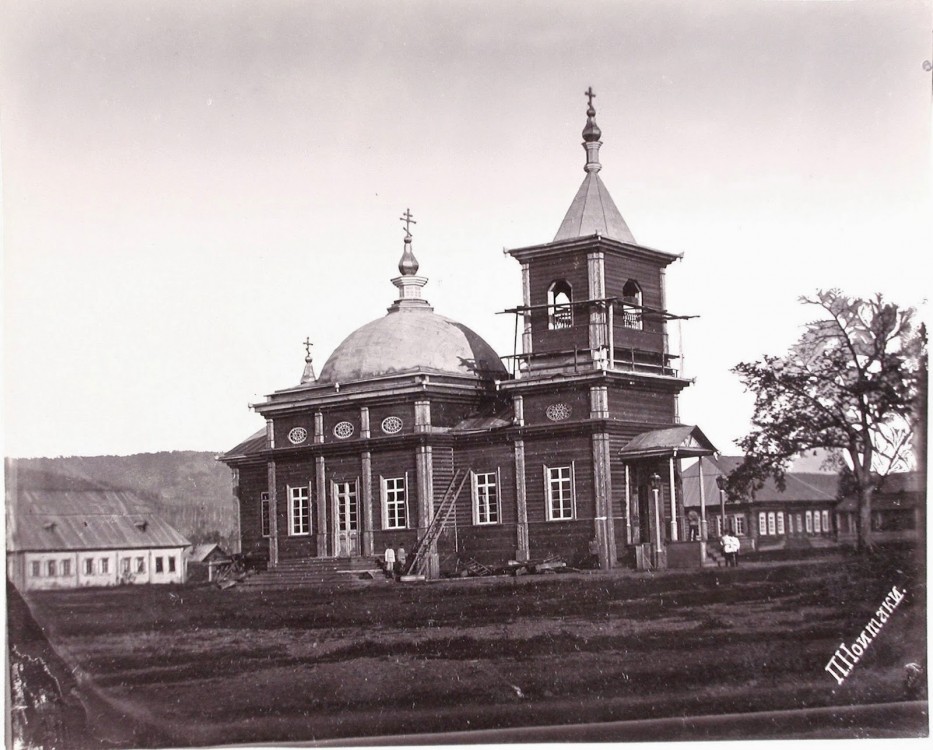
column 395, row 560
column 730, row 548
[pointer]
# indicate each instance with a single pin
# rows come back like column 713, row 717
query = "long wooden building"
column 415, row 432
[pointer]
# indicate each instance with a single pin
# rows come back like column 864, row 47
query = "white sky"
column 190, row 189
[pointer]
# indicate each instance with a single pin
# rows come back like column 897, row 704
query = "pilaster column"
column 364, row 422
column 521, row 504
column 602, row 522
column 318, row 427
column 526, row 316
column 596, row 274
column 366, row 497
column 321, row 492
column 673, row 503
column 270, row 434
column 599, row 402
column 274, row 515
column 422, row 416
column 424, row 471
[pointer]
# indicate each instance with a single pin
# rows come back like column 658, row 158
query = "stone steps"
column 307, row 572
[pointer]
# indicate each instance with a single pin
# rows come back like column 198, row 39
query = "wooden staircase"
column 419, row 559
column 321, row 571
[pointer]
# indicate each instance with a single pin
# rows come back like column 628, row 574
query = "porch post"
column 628, row 507
column 673, row 502
column 703, row 528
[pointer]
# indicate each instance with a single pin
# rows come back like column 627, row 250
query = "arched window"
column 560, row 295
column 631, row 305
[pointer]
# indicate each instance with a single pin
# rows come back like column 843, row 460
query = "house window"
column 36, row 569
column 559, row 492
column 264, row 509
column 809, row 517
column 816, row 522
column 763, row 524
column 825, row 515
column 799, row 523
column 88, row 566
column 780, row 522
column 560, row 295
column 394, row 496
column 739, row 525
column 771, row 527
column 66, row 567
column 50, row 567
column 104, row 565
column 299, row 511
column 125, row 566
column 631, row 305
column 159, row 565
column 171, row 564
column 485, row 498
column 140, row 565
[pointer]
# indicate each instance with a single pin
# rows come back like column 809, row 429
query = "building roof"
column 412, row 340
column 200, row 552
column 593, row 212
column 255, row 443
column 800, row 487
column 85, row 519
column 682, row 441
column 904, row 490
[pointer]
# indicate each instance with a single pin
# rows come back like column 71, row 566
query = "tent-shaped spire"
column 592, row 210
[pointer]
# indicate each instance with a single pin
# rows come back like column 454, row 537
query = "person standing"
column 389, row 560
column 400, row 560
column 730, row 548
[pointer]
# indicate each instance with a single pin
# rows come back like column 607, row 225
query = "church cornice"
column 554, row 383
column 591, row 243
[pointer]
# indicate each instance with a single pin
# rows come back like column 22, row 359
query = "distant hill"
column 189, row 489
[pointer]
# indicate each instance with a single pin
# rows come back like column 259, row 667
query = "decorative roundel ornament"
column 557, row 412
column 297, row 435
column 343, row 430
column 391, row 425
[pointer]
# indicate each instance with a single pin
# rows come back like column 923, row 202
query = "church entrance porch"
column 347, row 519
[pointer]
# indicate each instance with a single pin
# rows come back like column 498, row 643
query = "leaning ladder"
column 419, row 562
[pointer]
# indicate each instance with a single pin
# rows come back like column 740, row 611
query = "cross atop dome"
column 409, row 283
column 308, row 375
column 592, row 210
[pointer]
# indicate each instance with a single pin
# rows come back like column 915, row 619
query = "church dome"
column 410, row 341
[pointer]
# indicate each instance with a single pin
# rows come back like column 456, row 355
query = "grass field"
column 177, row 666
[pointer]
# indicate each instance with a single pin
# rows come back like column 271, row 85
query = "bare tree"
column 852, row 384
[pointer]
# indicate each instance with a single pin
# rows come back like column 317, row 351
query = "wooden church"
column 416, row 434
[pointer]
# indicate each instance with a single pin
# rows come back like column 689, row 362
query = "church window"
column 51, row 568
column 560, row 295
column 344, row 494
column 780, row 523
column 171, row 564
column 89, row 566
column 485, row 498
column 391, row 425
column 264, row 510
column 559, row 491
column 632, row 305
column 825, row 515
column 739, row 525
column 763, row 524
column 394, row 495
column 160, row 565
column 343, row 430
column 557, row 412
column 297, row 435
column 36, row 569
column 299, row 511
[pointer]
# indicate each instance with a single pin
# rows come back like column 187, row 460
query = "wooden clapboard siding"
column 405, row 412
column 389, row 464
column 568, row 540
column 553, row 452
column 535, row 405
column 620, row 269
column 295, row 472
column 543, row 272
column 253, row 482
column 642, row 405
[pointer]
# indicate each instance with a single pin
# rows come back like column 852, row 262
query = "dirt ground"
column 160, row 666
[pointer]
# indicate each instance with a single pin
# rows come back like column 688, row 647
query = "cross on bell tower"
column 308, row 375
